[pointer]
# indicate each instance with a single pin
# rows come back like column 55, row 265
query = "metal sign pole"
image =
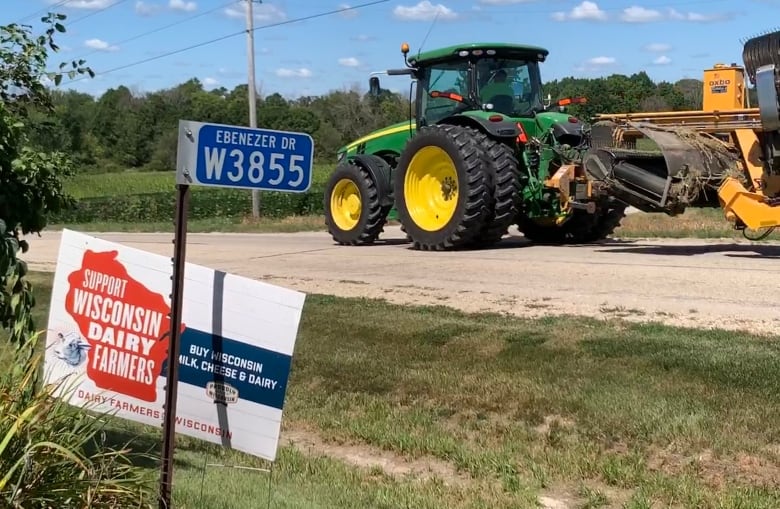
column 172, row 379
column 252, row 90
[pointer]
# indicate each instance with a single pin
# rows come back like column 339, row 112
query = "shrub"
column 53, row 454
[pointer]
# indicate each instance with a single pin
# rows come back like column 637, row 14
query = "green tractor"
column 481, row 152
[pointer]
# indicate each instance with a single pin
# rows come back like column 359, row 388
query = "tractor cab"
column 487, row 77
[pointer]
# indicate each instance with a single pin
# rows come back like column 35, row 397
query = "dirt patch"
column 589, row 494
column 367, row 457
column 513, row 305
column 717, row 471
column 553, row 421
column 556, row 501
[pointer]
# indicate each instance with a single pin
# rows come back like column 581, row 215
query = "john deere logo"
column 221, row 392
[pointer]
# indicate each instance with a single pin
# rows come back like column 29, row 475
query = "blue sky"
column 669, row 40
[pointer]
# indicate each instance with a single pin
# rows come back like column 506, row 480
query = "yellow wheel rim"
column 431, row 188
column 345, row 204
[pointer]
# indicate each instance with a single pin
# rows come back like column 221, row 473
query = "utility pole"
column 250, row 55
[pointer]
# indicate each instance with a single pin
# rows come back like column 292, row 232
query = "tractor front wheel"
column 441, row 188
column 354, row 210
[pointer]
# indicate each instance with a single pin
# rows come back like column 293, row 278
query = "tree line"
column 123, row 129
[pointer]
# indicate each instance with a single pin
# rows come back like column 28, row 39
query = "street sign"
column 219, row 155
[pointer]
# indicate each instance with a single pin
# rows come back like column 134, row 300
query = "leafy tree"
column 30, row 185
column 126, row 129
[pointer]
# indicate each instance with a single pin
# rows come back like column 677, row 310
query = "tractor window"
column 451, row 78
column 513, row 87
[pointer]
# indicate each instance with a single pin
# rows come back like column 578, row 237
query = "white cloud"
column 585, row 11
column 210, row 82
column 349, row 62
column 84, row 4
column 662, row 60
column 294, row 73
column 182, row 5
column 596, row 64
column 658, row 47
column 636, row 14
column 424, row 11
column 601, row 61
column 505, row 2
column 363, row 38
column 264, row 13
column 696, row 17
column 349, row 13
column 100, row 45
column 145, row 9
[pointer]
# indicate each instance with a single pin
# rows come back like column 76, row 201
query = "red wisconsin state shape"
column 126, row 324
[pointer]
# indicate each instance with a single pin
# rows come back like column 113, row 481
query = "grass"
column 694, row 223
column 291, row 224
column 136, row 182
column 604, row 413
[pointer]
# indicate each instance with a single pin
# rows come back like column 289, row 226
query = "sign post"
column 174, row 341
column 219, row 155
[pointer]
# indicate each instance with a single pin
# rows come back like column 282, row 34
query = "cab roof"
column 502, row 50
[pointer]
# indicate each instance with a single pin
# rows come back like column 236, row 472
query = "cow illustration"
column 71, row 348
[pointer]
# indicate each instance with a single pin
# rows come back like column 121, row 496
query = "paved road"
column 684, row 282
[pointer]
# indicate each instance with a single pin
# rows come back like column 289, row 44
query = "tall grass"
column 53, row 455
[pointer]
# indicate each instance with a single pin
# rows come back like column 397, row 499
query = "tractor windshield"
column 513, row 87
column 444, row 90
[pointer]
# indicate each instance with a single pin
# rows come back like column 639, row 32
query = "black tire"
column 581, row 228
column 606, row 224
column 507, row 193
column 372, row 214
column 473, row 188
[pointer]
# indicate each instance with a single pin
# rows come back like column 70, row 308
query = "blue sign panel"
column 255, row 374
column 243, row 157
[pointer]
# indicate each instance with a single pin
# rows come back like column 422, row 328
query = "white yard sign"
column 108, row 333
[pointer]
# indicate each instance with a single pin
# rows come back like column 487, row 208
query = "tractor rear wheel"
column 354, row 213
column 441, row 187
column 506, row 198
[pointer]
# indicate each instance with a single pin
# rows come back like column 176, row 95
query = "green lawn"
column 136, row 182
column 505, row 411
column 216, row 224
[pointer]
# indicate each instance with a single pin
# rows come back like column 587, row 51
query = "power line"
column 165, row 27
column 603, row 9
column 62, row 3
column 96, row 11
column 41, row 11
column 228, row 36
